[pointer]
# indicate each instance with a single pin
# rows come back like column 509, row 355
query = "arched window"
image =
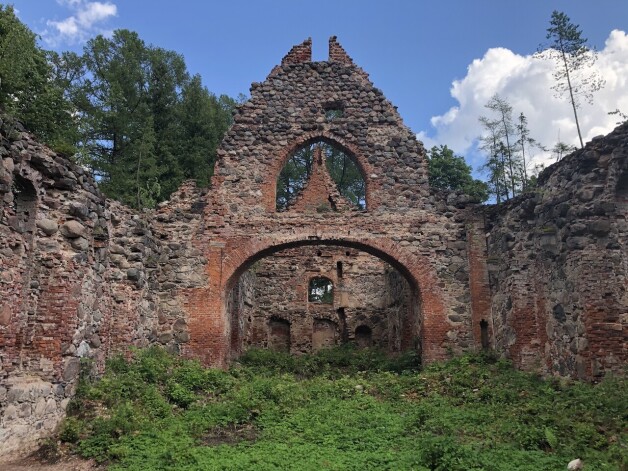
column 345, row 173
column 321, row 290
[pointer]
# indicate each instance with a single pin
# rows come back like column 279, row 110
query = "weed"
column 343, row 408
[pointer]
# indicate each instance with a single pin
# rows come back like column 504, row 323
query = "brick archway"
column 269, row 188
column 209, row 321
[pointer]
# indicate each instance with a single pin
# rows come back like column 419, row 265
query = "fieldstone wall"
column 422, row 234
column 558, row 260
column 367, row 293
column 74, row 285
column 542, row 278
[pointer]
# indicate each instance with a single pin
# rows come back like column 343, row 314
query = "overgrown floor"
column 344, row 409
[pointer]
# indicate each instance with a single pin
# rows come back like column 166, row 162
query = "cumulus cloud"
column 85, row 21
column 525, row 82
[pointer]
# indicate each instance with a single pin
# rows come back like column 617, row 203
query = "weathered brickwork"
column 369, row 296
column 419, row 233
column 542, row 279
column 559, row 265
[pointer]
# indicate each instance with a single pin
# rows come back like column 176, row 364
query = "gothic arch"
column 269, row 189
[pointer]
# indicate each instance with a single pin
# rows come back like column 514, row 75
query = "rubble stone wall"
column 367, row 293
column 66, row 291
column 558, row 261
column 541, row 279
column 420, row 233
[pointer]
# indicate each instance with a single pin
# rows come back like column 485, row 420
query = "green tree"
column 450, row 172
column 28, row 89
column 144, row 122
column 561, row 149
column 574, row 60
column 525, row 143
column 502, row 134
column 495, row 164
column 204, row 119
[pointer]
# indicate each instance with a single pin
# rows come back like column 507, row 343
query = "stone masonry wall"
column 542, row 278
column 73, row 283
column 558, row 260
column 367, row 292
column 419, row 232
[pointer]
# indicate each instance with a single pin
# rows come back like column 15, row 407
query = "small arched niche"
column 341, row 167
column 279, row 335
column 320, row 290
column 363, row 336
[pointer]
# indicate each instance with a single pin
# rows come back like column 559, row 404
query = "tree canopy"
column 574, row 59
column 450, row 172
column 29, row 90
column 127, row 110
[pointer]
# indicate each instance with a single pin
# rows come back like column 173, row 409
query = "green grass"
column 343, row 409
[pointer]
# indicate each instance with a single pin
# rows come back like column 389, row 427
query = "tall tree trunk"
column 573, row 102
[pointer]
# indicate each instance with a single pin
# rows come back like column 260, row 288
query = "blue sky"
column 413, row 50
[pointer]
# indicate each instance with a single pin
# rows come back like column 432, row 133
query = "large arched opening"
column 214, row 324
column 372, row 288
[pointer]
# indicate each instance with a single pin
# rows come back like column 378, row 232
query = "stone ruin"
column 541, row 279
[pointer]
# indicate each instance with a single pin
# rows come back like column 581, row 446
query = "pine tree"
column 574, row 60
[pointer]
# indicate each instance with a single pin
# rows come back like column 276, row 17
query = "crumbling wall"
column 367, row 292
column 542, row 278
column 73, row 283
column 419, row 232
column 558, row 259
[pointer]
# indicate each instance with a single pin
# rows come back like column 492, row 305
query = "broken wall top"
column 290, row 110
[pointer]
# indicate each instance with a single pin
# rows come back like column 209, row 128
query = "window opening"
column 622, row 187
column 321, row 290
column 339, row 269
column 24, row 203
column 295, row 174
column 484, row 334
column 332, row 114
column 363, row 336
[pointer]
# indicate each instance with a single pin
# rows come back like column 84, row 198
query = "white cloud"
column 525, row 82
column 85, row 21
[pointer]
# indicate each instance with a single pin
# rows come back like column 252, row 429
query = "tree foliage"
column 29, row 90
column 343, row 171
column 127, row 110
column 507, row 145
column 143, row 118
column 347, row 176
column 574, row 59
column 450, row 172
